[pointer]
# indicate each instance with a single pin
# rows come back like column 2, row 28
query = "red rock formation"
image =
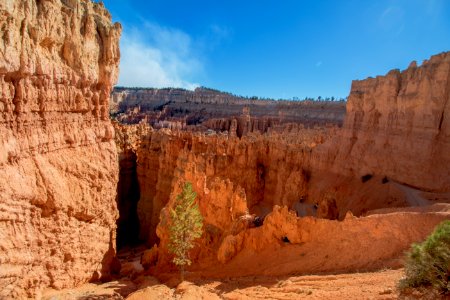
column 217, row 161
column 396, row 133
column 236, row 179
column 58, row 161
column 367, row 165
column 398, row 126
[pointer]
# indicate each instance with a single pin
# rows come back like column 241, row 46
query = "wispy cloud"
column 392, row 20
column 156, row 56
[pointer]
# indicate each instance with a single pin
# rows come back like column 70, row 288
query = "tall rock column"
column 58, row 161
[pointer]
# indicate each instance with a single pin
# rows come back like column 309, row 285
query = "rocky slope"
column 58, row 160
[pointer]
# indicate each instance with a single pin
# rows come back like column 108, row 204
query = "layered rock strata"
column 58, row 160
column 204, row 109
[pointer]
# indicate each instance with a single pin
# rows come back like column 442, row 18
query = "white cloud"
column 155, row 56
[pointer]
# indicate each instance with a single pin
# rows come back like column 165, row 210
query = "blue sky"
column 278, row 49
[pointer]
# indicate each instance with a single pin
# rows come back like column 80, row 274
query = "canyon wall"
column 395, row 140
column 393, row 147
column 238, row 182
column 204, row 109
column 398, row 126
column 58, row 160
column 261, row 170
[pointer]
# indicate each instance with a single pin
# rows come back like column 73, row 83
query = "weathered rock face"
column 252, row 169
column 398, row 126
column 396, row 133
column 58, row 161
column 128, row 140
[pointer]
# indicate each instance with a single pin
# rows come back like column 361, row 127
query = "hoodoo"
column 58, row 161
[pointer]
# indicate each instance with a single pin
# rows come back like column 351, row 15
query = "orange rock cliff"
column 398, row 126
column 58, row 161
column 392, row 153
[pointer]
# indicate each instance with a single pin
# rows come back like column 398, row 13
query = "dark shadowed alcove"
column 127, row 198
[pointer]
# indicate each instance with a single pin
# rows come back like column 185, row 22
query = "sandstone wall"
column 233, row 176
column 58, row 161
column 398, row 126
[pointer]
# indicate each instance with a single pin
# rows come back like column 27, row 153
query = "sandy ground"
column 133, row 285
column 373, row 285
column 377, row 285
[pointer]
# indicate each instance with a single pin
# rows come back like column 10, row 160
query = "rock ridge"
column 204, row 109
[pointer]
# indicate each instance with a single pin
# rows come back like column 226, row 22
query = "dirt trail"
column 412, row 195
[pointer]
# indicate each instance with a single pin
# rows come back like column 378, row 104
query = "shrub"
column 428, row 263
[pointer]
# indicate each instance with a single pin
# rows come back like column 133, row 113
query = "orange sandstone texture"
column 375, row 285
column 396, row 133
column 246, row 175
column 398, row 126
column 58, row 160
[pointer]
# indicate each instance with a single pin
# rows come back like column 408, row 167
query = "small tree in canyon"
column 185, row 227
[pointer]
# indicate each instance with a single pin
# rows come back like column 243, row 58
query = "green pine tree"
column 185, row 227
